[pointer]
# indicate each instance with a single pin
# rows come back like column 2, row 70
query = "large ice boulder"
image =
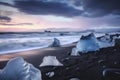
column 18, row 69
column 55, row 43
column 85, row 44
column 50, row 61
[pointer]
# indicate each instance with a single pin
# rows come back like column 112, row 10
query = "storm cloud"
column 6, row 4
column 4, row 19
column 91, row 8
column 47, row 8
column 97, row 8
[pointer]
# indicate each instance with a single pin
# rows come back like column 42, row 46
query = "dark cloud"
column 96, row 8
column 46, row 8
column 4, row 19
column 77, row 2
column 6, row 4
column 21, row 24
column 91, row 8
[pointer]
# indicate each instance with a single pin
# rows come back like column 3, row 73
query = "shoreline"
column 36, row 55
column 31, row 48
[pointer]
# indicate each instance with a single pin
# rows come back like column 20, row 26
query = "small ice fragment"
column 50, row 61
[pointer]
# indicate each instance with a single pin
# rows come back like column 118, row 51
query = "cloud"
column 109, row 20
column 97, row 8
column 18, row 24
column 91, row 8
column 46, row 8
column 6, row 4
column 4, row 19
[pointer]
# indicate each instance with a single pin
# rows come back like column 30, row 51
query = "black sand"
column 88, row 66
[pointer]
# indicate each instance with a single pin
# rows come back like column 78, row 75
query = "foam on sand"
column 18, row 69
column 10, row 45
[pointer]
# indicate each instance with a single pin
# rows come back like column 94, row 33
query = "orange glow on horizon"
column 19, row 28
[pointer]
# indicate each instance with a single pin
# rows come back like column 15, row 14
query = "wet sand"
column 35, row 56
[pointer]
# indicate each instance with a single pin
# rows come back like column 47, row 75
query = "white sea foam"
column 9, row 45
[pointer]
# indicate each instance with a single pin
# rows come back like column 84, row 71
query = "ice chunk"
column 106, row 38
column 18, row 69
column 74, row 52
column 56, row 43
column 50, row 61
column 105, row 44
column 50, row 74
column 106, row 41
column 87, row 43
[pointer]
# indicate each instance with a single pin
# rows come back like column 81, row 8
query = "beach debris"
column 86, row 44
column 101, row 61
column 18, row 69
column 50, row 74
column 56, row 43
column 50, row 61
column 74, row 79
column 111, row 74
column 67, row 68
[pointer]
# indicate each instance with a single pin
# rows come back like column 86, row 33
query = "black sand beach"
column 88, row 66
column 35, row 56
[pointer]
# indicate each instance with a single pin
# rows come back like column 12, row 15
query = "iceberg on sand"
column 50, row 74
column 50, row 61
column 85, row 44
column 56, row 43
column 18, row 69
column 91, row 43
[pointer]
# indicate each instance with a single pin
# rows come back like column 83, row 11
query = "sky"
column 37, row 15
